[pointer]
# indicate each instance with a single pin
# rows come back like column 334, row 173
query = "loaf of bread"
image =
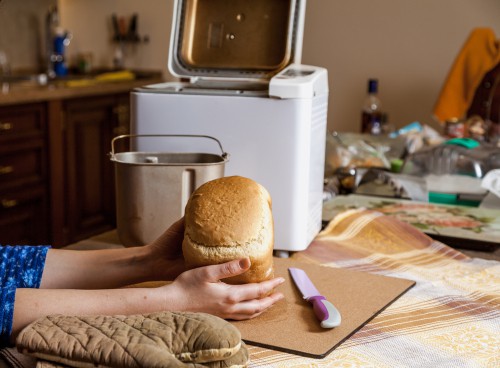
column 230, row 218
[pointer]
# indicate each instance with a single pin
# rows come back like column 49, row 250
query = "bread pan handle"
column 224, row 155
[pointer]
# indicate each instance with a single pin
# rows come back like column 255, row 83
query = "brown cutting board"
column 291, row 325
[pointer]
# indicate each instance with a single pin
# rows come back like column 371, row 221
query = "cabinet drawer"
column 23, row 218
column 11, row 200
column 21, row 167
column 22, row 121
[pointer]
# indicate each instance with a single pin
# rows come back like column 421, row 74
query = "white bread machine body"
column 275, row 137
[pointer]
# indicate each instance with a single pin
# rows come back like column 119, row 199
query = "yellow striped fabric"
column 450, row 318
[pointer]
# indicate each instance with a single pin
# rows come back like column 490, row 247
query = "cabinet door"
column 23, row 175
column 23, row 219
column 90, row 125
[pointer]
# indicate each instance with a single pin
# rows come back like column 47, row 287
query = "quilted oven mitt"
column 165, row 339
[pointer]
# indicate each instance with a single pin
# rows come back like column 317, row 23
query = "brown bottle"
column 371, row 114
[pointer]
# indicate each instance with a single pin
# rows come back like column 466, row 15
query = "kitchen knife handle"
column 325, row 311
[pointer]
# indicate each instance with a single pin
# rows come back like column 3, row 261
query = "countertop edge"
column 44, row 94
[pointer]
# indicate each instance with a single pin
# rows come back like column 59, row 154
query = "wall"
column 408, row 45
column 90, row 23
column 22, row 31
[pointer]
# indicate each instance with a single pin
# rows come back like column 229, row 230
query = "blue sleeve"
column 20, row 267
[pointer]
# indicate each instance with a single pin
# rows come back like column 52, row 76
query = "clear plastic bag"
column 351, row 150
column 453, row 159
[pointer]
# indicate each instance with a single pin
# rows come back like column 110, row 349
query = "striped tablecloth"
column 450, row 318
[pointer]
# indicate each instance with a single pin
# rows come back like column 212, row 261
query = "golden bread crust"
column 230, row 218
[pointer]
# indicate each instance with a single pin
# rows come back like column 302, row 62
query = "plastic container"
column 152, row 188
column 453, row 170
column 457, row 156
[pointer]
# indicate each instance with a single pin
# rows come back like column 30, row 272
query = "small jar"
column 347, row 179
column 454, row 128
column 477, row 128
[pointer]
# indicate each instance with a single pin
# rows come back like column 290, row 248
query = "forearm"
column 102, row 269
column 31, row 304
column 197, row 290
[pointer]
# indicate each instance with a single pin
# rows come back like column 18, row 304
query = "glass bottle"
column 371, row 115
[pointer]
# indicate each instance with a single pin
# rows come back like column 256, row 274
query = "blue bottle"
column 61, row 40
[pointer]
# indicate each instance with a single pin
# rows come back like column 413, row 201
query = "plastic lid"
column 396, row 165
column 468, row 143
column 236, row 40
column 450, row 198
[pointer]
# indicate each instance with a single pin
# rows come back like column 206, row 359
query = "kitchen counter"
column 29, row 91
column 57, row 182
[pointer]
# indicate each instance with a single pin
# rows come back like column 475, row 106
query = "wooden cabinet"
column 24, row 211
column 82, row 175
column 89, row 124
column 56, row 178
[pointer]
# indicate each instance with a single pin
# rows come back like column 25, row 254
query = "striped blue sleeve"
column 20, row 267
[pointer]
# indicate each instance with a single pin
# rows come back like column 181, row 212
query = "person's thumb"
column 172, row 237
column 215, row 273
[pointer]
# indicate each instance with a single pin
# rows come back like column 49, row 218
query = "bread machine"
column 241, row 81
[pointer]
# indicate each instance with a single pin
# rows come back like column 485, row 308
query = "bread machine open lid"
column 235, row 39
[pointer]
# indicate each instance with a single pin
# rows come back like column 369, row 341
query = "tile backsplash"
column 22, row 32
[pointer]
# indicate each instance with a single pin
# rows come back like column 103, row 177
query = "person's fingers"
column 255, row 290
column 177, row 227
column 252, row 308
column 217, row 272
column 175, row 233
column 169, row 243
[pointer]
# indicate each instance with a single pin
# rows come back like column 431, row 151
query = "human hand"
column 166, row 250
column 201, row 290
